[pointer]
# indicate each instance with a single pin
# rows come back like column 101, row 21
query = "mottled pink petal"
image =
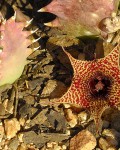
column 81, row 17
column 14, row 50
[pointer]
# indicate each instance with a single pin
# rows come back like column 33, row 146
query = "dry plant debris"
column 28, row 119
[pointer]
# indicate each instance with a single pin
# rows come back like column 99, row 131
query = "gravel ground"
column 27, row 121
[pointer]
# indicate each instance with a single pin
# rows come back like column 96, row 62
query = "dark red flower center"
column 100, row 86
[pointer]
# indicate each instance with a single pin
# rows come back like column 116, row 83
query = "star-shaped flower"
column 95, row 85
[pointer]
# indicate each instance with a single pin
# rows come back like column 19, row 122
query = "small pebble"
column 49, row 145
column 84, row 140
column 71, row 117
column 105, row 143
column 112, row 148
column 111, row 133
column 1, row 132
column 20, row 137
column 54, row 146
column 12, row 126
column 67, row 105
column 13, row 144
column 64, row 147
column 82, row 117
column 22, row 147
column 22, row 121
column 2, row 110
